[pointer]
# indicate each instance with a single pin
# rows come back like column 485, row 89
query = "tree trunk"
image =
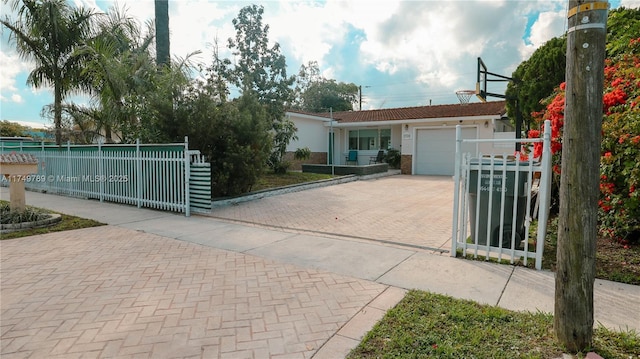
column 163, row 55
column 579, row 180
column 57, row 111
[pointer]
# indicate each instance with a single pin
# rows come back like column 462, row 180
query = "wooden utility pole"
column 580, row 177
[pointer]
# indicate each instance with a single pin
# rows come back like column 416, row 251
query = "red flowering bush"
column 619, row 205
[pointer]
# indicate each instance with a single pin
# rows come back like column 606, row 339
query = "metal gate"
column 167, row 177
column 493, row 196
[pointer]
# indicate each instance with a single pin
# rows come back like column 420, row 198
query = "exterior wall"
column 296, row 165
column 504, row 148
column 406, row 147
column 311, row 133
column 406, row 164
column 485, row 132
column 396, row 137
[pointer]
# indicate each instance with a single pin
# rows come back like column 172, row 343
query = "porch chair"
column 352, row 157
column 377, row 159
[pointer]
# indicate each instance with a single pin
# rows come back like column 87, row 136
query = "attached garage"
column 435, row 149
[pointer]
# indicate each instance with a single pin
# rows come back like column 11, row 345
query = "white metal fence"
column 152, row 176
column 493, row 201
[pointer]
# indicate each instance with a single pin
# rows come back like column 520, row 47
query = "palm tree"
column 48, row 33
column 118, row 66
column 131, row 98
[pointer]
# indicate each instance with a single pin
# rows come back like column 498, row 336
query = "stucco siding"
column 311, row 133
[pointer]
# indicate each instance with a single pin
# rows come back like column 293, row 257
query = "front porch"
column 342, row 170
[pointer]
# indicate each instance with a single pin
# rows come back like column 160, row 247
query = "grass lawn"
column 272, row 180
column 425, row 325
column 67, row 223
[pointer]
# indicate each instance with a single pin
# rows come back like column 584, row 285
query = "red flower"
column 607, row 188
column 534, row 133
column 521, row 156
column 623, row 138
column 617, row 82
column 613, row 98
column 537, row 150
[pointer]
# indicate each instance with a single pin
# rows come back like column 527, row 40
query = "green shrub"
column 302, row 154
column 620, row 162
column 234, row 136
column 393, row 157
column 619, row 205
column 29, row 214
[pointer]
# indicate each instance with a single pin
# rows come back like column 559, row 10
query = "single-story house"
column 425, row 135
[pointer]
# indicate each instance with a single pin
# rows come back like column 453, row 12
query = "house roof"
column 493, row 108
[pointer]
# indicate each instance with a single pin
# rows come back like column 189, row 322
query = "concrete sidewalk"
column 156, row 284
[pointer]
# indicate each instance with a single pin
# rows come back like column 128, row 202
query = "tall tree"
column 536, row 78
column 545, row 69
column 233, row 135
column 623, row 25
column 48, row 33
column 580, row 175
column 314, row 93
column 163, row 53
column 260, row 71
column 118, row 66
column 12, row 129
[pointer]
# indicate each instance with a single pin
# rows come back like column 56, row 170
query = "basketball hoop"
column 464, row 96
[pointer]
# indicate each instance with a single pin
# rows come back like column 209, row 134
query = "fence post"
column 456, row 191
column 101, row 170
column 68, row 174
column 544, row 192
column 138, row 174
column 187, row 174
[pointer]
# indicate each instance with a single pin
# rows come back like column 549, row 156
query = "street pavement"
column 296, row 275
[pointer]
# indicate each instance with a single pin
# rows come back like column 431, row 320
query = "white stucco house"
column 425, row 136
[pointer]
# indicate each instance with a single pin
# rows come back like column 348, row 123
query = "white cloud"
column 548, row 25
column 310, row 30
column 32, row 124
column 427, row 48
column 630, row 4
column 10, row 67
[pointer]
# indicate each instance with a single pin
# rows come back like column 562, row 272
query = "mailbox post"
column 16, row 167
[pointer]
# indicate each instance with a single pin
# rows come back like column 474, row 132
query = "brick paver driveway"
column 406, row 210
column 112, row 292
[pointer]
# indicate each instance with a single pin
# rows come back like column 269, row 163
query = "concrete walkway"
column 156, row 284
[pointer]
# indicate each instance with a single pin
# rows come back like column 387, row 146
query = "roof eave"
column 414, row 121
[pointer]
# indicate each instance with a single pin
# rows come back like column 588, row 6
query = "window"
column 370, row 139
column 385, row 139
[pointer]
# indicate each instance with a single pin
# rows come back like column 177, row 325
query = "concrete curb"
column 297, row 188
column 13, row 227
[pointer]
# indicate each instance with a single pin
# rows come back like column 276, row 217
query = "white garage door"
column 436, row 149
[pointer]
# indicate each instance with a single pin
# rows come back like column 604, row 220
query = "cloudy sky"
column 402, row 53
